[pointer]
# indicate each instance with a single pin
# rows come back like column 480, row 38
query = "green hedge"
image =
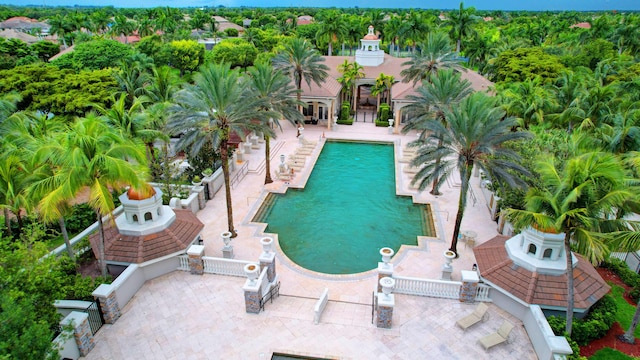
column 345, row 122
column 625, row 274
column 594, row 326
column 382, row 123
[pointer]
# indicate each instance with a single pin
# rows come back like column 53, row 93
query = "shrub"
column 81, row 218
column 345, row 111
column 621, row 269
column 345, row 122
column 381, row 123
column 594, row 326
column 383, row 112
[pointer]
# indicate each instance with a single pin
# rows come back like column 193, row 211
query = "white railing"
column 184, row 262
column 618, row 255
column 221, row 266
column 427, row 287
column 482, row 294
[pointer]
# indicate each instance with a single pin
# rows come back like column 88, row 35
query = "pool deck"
column 183, row 316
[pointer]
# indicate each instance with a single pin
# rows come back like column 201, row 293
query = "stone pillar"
column 105, row 295
column 469, row 287
column 202, row 202
column 196, row 264
column 385, row 311
column 251, row 289
column 384, row 270
column 268, row 258
column 227, row 249
column 81, row 331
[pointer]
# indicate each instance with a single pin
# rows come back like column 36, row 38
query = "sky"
column 535, row 5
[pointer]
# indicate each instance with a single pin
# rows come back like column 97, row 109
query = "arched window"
column 135, row 218
column 532, row 249
column 547, row 254
column 148, row 216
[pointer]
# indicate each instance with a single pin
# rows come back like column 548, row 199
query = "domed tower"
column 147, row 230
column 369, row 53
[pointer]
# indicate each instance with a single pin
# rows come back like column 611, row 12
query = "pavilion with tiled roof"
column 530, row 268
column 147, row 230
column 324, row 100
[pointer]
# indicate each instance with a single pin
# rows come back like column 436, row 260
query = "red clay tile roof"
column 140, row 249
column 532, row 287
column 582, row 25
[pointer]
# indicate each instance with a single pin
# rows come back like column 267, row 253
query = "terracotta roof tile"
column 534, row 288
column 139, row 249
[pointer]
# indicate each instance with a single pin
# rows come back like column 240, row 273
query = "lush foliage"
column 594, row 326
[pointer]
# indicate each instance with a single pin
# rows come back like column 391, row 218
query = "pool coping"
column 301, row 182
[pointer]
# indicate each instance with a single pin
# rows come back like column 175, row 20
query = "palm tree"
column 528, row 101
column 14, row 181
column 332, row 28
column 444, row 91
column 7, row 109
column 414, row 28
column 28, row 132
column 207, row 112
column 132, row 122
column 162, row 86
column 393, row 29
column 382, row 87
column 435, row 55
column 476, row 135
column 277, row 92
column 461, row 23
column 578, row 198
column 301, row 61
column 351, row 72
column 122, row 26
column 92, row 155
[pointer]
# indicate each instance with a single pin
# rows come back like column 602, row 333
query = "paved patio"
column 203, row 317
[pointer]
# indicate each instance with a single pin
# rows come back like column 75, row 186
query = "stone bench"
column 320, row 305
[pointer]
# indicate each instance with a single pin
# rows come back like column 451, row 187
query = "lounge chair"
column 479, row 314
column 502, row 335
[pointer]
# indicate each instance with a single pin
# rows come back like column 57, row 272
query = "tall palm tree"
column 461, row 23
column 382, row 88
column 332, row 28
column 393, row 29
column 164, row 83
column 301, row 61
column 206, row 113
column 476, row 136
column 578, row 198
column 277, row 92
column 122, row 26
column 351, row 72
column 444, row 91
column 528, row 101
column 92, row 155
column 7, row 109
column 415, row 27
column 14, row 180
column 435, row 55
column 28, row 132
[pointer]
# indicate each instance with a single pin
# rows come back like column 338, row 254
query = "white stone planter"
column 226, row 238
column 387, row 283
column 267, row 243
column 386, row 254
column 448, row 258
column 252, row 271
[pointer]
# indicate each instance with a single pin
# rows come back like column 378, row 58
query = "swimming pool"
column 347, row 211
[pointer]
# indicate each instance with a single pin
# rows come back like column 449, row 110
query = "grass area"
column 610, row 354
column 625, row 312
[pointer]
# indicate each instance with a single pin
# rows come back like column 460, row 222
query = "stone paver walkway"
column 183, row 316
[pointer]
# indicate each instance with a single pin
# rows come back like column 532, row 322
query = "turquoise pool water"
column 347, row 211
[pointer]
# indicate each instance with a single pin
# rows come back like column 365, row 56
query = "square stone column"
column 196, row 264
column 384, row 270
column 268, row 260
column 202, row 202
column 469, row 287
column 81, row 331
column 105, row 295
column 384, row 312
column 252, row 296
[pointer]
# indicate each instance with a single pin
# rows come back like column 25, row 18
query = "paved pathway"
column 182, row 316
